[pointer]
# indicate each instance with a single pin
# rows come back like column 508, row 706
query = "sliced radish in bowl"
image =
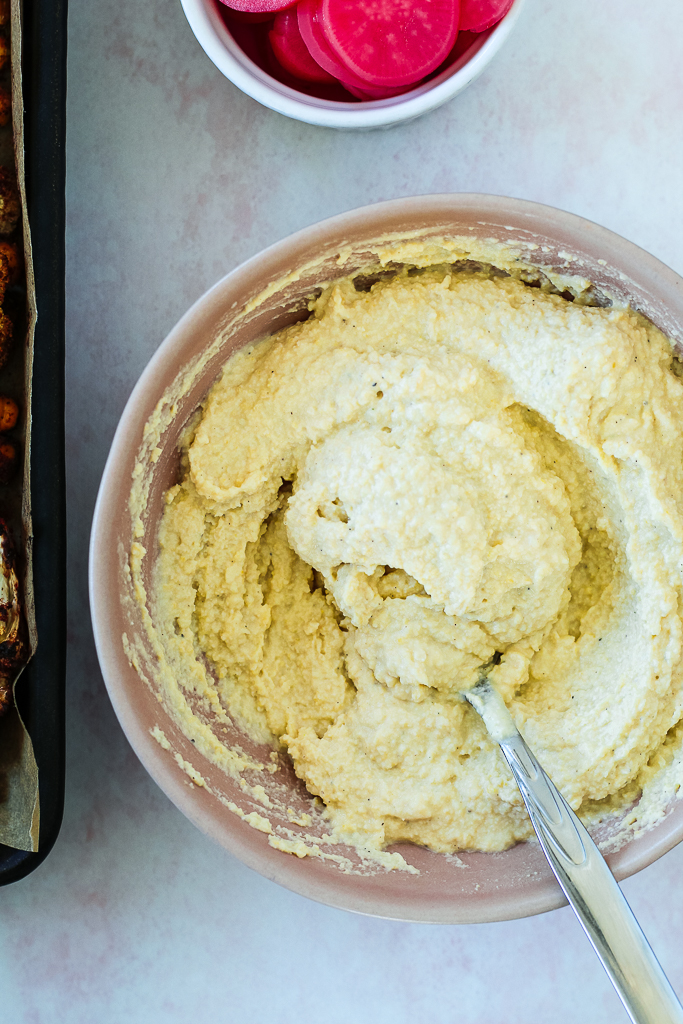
column 270, row 7
column 288, row 41
column 291, row 51
column 308, row 14
column 244, row 17
column 370, row 92
column 390, row 43
column 478, row 15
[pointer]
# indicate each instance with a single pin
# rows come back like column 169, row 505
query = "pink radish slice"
column 322, row 53
column 376, row 94
column 390, row 42
column 258, row 6
column 373, row 92
column 244, row 16
column 318, row 47
column 370, row 93
column 333, row 90
column 252, row 38
column 478, row 15
column 291, row 51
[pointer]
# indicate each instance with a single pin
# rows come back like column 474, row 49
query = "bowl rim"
column 636, row 265
column 216, row 41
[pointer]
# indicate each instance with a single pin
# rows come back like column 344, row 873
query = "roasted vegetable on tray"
column 12, row 643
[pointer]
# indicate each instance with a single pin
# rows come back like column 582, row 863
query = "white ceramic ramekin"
column 216, row 41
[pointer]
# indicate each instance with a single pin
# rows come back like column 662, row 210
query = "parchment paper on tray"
column 19, row 800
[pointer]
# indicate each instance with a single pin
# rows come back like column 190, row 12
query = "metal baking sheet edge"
column 41, row 694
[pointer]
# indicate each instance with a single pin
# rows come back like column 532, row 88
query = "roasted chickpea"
column 9, row 413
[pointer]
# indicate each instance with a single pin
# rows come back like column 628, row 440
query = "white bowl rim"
column 231, row 60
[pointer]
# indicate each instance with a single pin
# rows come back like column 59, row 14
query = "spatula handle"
column 586, row 880
column 593, row 893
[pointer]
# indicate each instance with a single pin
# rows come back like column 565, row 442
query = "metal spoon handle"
column 587, row 882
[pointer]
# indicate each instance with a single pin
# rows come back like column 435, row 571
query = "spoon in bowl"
column 580, row 868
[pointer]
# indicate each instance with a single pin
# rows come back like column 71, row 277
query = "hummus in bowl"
column 467, row 446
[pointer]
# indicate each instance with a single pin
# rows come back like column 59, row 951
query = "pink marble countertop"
column 174, row 177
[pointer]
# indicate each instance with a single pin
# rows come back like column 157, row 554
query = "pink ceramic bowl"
column 481, row 887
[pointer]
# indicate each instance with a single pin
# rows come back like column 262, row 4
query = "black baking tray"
column 40, row 691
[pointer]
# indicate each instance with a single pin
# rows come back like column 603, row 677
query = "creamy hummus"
column 448, row 468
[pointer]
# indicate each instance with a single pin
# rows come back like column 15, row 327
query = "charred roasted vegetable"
column 9, row 413
column 10, row 207
column 10, row 260
column 12, row 643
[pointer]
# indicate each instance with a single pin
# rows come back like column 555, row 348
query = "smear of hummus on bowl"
column 449, row 467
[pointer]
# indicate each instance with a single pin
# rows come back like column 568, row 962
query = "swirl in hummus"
column 447, row 468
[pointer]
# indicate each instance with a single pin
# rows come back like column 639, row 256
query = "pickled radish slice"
column 376, row 93
column 321, row 51
column 259, row 6
column 390, row 42
column 291, row 51
column 245, row 18
column 318, row 47
column 478, row 15
column 371, row 92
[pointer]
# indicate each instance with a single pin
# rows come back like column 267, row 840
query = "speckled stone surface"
column 174, row 177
